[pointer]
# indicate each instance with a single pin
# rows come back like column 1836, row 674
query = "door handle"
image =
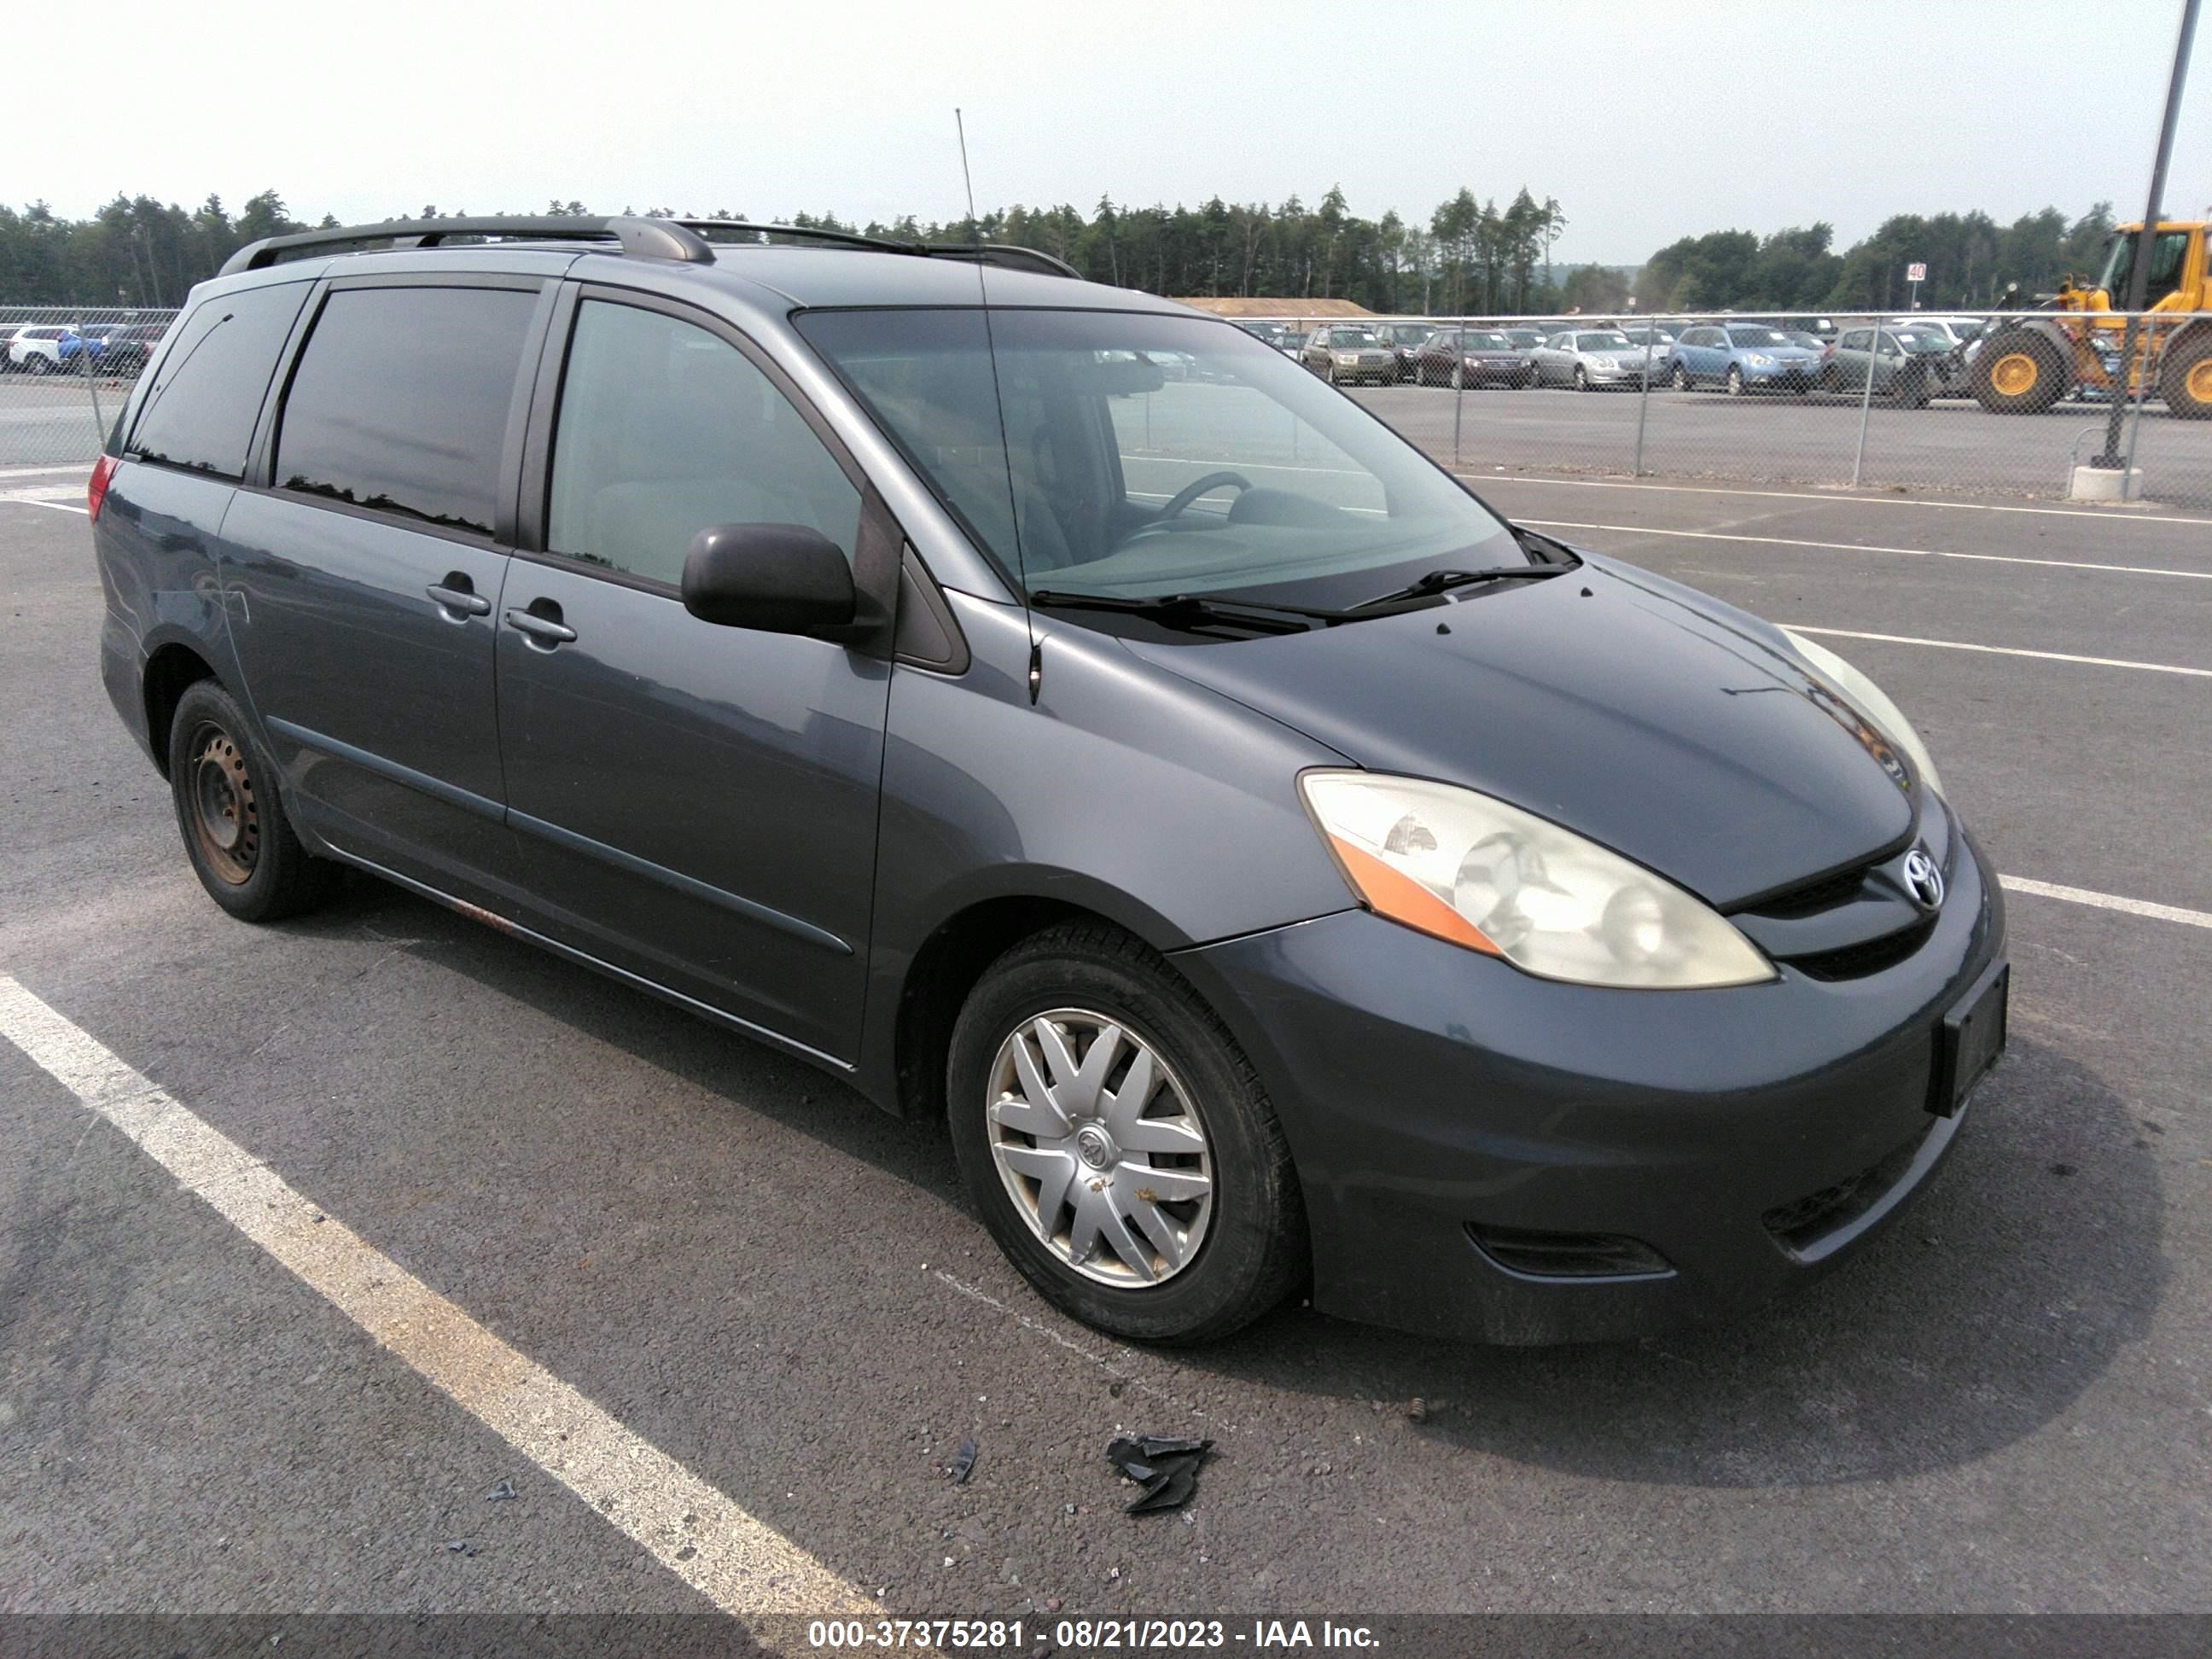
column 546, row 631
column 456, row 593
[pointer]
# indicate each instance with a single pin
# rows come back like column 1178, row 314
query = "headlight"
column 1863, row 695
column 1347, row 356
column 1462, row 866
column 1758, row 361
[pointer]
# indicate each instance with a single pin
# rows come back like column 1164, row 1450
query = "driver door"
column 696, row 805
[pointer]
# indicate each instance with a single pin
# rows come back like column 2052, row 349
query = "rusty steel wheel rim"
column 2197, row 383
column 224, row 822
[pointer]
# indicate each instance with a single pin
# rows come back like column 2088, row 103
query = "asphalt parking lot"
column 738, row 1268
column 1953, row 444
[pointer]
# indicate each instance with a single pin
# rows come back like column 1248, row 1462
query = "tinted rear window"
column 200, row 411
column 400, row 401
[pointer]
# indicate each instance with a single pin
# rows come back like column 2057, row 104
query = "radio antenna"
column 999, row 396
column 961, row 127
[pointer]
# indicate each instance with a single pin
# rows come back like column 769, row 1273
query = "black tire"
column 1253, row 1252
column 2019, row 373
column 223, row 788
column 1734, row 381
column 1582, row 379
column 1681, row 377
column 2184, row 379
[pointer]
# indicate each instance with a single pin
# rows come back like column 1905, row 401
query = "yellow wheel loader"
column 2023, row 365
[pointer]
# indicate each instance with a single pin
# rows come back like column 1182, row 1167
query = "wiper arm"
column 1181, row 610
column 1443, row 582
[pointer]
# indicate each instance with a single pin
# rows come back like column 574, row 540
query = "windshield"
column 1756, row 337
column 1602, row 342
column 1921, row 339
column 1348, row 338
column 1525, row 337
column 1305, row 497
column 1488, row 342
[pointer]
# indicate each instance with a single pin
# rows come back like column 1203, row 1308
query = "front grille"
column 1868, row 956
column 1568, row 1255
column 1803, row 1222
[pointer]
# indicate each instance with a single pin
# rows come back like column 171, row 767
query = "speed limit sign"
column 1915, row 273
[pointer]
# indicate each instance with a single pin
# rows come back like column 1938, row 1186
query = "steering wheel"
column 1180, row 501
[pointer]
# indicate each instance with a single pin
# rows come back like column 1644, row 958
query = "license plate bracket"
column 1969, row 1040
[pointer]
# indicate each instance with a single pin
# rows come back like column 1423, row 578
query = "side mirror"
column 777, row 577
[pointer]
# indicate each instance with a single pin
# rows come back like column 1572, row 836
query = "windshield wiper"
column 1443, row 582
column 1181, row 610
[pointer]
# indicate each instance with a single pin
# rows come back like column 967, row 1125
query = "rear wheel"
column 2019, row 373
column 241, row 845
column 2185, row 379
column 1117, row 1143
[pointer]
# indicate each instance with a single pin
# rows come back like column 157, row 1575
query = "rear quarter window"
column 200, row 410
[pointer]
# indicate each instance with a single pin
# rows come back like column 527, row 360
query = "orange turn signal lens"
column 1402, row 899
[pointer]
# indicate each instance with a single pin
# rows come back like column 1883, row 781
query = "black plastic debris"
column 963, row 1461
column 502, row 1493
column 1166, row 1468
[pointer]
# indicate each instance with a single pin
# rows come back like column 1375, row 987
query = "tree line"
column 1470, row 255
column 1970, row 260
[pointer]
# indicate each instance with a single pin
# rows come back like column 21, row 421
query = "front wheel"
column 1681, row 378
column 1735, row 388
column 1118, row 1144
column 2185, row 379
column 1582, row 378
column 241, row 845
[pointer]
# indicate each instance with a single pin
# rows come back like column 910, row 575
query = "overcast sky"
column 1647, row 120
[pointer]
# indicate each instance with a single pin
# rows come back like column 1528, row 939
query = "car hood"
column 1661, row 723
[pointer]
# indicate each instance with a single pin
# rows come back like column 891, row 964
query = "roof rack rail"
column 640, row 238
column 991, row 253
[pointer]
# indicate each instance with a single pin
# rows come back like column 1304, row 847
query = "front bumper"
column 1796, row 376
column 1752, row 1138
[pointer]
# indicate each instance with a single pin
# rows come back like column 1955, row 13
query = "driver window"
column 665, row 430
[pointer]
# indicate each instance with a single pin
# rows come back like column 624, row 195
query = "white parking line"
column 2108, row 901
column 2108, row 514
column 2006, row 651
column 57, row 507
column 1866, row 547
column 80, row 469
column 745, row 1567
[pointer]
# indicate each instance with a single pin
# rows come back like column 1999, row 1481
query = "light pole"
column 2146, row 241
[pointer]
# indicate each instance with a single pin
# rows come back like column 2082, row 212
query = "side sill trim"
column 480, row 807
column 492, row 919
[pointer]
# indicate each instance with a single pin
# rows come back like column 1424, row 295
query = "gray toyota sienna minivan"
column 1278, row 869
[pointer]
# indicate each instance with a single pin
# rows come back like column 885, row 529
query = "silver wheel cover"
column 1100, row 1148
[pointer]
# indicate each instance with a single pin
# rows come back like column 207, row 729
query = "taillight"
column 96, row 487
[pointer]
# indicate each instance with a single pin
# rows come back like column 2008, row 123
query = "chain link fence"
column 2008, row 404
column 1876, row 401
column 64, row 372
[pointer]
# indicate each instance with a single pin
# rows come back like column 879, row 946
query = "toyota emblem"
column 1923, row 879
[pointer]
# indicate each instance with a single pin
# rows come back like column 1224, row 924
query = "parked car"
column 1524, row 339
column 1658, row 336
column 1404, row 339
column 1588, row 359
column 1741, row 357
column 1268, row 333
column 1955, row 330
column 1908, row 364
column 1472, row 357
column 1317, row 884
column 1349, row 354
column 36, row 348
column 125, row 347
